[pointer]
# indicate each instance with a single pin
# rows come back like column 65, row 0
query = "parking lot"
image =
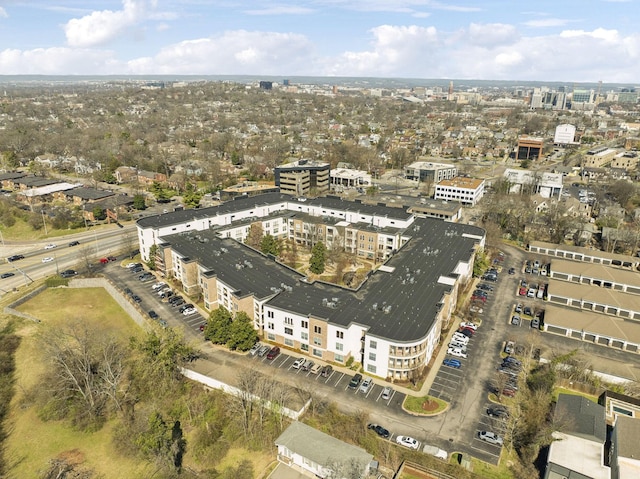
column 337, row 382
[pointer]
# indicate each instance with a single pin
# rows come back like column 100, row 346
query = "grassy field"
column 32, row 442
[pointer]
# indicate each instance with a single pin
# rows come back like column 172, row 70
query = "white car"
column 407, row 441
column 459, row 337
column 158, row 285
column 473, row 326
column 458, row 345
column 457, row 352
column 50, row 246
column 490, row 437
column 189, row 311
column 298, row 363
column 47, row 259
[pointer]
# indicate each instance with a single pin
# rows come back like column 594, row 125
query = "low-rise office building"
column 467, row 191
column 303, row 177
column 429, row 172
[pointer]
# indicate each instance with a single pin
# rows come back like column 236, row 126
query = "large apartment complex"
column 390, row 322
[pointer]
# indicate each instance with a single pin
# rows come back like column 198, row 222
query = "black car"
column 379, row 430
column 68, row 273
column 137, row 269
column 178, row 302
column 15, row 257
column 152, row 314
column 6, row 275
column 128, row 292
column 355, row 381
column 74, row 243
column 136, row 298
column 485, row 287
column 498, row 412
column 326, row 371
column 185, row 307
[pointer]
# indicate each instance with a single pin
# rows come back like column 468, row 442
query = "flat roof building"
column 303, row 177
column 467, row 191
column 429, row 172
column 529, row 148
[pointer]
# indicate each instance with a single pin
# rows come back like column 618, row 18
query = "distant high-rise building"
column 266, row 85
column 285, row 82
column 565, row 134
column 628, row 95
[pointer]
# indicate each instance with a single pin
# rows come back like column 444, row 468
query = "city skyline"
column 567, row 41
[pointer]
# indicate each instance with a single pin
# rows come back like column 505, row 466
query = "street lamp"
column 44, row 222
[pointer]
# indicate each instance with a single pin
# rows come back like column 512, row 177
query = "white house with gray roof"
column 308, row 450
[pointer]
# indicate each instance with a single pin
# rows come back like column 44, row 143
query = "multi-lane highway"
column 92, row 245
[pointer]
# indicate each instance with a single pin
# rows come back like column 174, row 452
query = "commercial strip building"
column 349, row 178
column 467, row 191
column 594, row 296
column 390, row 323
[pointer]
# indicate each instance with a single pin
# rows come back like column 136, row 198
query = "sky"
column 542, row 40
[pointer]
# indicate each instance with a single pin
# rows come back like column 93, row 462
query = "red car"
column 523, row 291
column 273, row 352
column 479, row 298
column 104, row 260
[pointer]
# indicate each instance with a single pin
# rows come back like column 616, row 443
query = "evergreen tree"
column 318, row 258
column 218, row 328
column 242, row 333
column 270, row 245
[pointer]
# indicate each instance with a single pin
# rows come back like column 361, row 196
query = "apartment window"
column 373, row 344
column 317, row 329
column 339, row 347
column 288, row 342
column 270, row 326
column 372, row 356
column 270, row 314
column 304, row 336
column 371, row 368
column 340, row 334
column 304, row 324
column 339, row 358
column 288, row 331
column 317, row 341
column 288, row 321
column 271, row 337
column 304, row 347
column 317, row 353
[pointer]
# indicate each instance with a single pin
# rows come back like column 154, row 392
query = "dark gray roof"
column 11, row 175
column 320, row 447
column 581, row 417
column 400, row 305
column 237, row 265
column 248, row 202
column 34, row 181
column 89, row 193
column 628, row 437
column 556, row 471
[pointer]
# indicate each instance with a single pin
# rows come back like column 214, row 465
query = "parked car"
column 457, row 352
column 316, row 368
column 189, row 311
column 509, row 347
column 511, row 359
column 133, row 265
column 379, row 430
column 452, row 363
column 263, row 350
column 476, row 309
column 159, row 285
column 518, row 308
column 459, row 345
column 152, row 314
column 355, row 381
column 407, row 441
column 326, row 371
column 254, row 349
column 297, row 364
column 522, row 291
column 528, row 311
column 515, row 320
column 465, row 324
column 136, row 298
column 68, row 273
column 366, row 385
column 497, row 411
column 307, row 365
column 490, row 437
column 535, row 323
column 386, row 393
column 512, row 271
column 467, row 332
column 273, row 353
column 459, row 337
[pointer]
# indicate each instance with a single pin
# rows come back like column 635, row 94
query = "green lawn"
column 32, row 442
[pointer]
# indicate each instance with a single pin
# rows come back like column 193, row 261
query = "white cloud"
column 492, row 34
column 395, row 48
column 3, row 13
column 56, row 61
column 232, row 53
column 547, row 22
column 100, row 27
column 280, row 10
